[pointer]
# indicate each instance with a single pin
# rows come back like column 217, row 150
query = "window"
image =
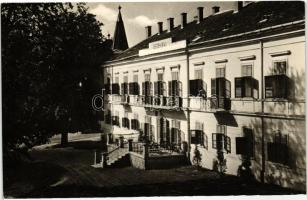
column 115, row 119
column 135, row 122
column 160, row 76
column 246, row 87
column 221, row 129
column 277, row 86
column 279, row 67
column 134, row 88
column 220, row 71
column 125, row 79
column 147, row 77
column 175, row 76
column 278, row 149
column 175, row 132
column 197, row 88
column 198, row 136
column 125, row 121
column 135, row 78
column 220, row 140
column 245, row 144
column 247, row 70
column 116, row 80
column 198, row 74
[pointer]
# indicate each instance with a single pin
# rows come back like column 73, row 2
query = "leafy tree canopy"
column 49, row 50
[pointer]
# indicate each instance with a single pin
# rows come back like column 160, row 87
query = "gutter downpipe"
column 188, row 103
column 262, row 114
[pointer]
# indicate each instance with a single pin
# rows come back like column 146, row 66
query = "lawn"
column 67, row 172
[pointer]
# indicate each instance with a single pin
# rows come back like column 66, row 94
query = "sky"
column 137, row 15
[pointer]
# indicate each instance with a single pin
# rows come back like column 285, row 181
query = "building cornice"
column 196, row 46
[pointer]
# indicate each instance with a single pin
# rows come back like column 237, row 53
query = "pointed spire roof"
column 120, row 39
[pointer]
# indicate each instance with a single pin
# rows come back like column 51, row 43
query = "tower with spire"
column 120, row 40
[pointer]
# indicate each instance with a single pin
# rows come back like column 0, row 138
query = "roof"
column 120, row 39
column 252, row 17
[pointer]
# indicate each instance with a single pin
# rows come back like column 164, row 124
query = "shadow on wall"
column 180, row 115
column 292, row 172
column 225, row 118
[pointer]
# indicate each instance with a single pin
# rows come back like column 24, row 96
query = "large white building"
column 230, row 84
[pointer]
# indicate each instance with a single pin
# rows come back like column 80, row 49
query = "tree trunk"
column 64, row 139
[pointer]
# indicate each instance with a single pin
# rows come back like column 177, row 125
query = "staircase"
column 113, row 157
column 116, row 155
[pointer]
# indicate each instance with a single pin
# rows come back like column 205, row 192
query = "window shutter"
column 143, row 88
column 117, row 120
column 158, row 130
column 179, row 91
column 128, row 124
column 132, row 124
column 268, row 86
column 255, row 88
column 205, row 140
column 150, row 89
column 123, row 122
column 193, row 136
column 213, row 87
column 227, row 89
column 170, row 88
column 214, row 138
column 122, row 89
column 152, row 133
column 227, row 145
column 192, row 88
column 241, row 145
column 164, row 91
column 142, row 128
column 248, row 134
column 156, row 88
column 167, row 130
column 238, row 87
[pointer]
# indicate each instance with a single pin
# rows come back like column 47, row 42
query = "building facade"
column 230, row 85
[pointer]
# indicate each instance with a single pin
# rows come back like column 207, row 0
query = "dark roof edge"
column 119, row 61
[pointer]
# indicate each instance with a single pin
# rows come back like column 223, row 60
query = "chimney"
column 160, row 27
column 170, row 23
column 200, row 14
column 240, row 5
column 148, row 31
column 215, row 9
column 183, row 20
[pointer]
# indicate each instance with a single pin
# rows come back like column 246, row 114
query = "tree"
column 48, row 49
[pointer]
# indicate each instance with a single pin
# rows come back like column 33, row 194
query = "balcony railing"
column 125, row 99
column 220, row 103
column 210, row 104
column 162, row 102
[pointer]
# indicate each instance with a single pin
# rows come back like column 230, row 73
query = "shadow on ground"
column 223, row 186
